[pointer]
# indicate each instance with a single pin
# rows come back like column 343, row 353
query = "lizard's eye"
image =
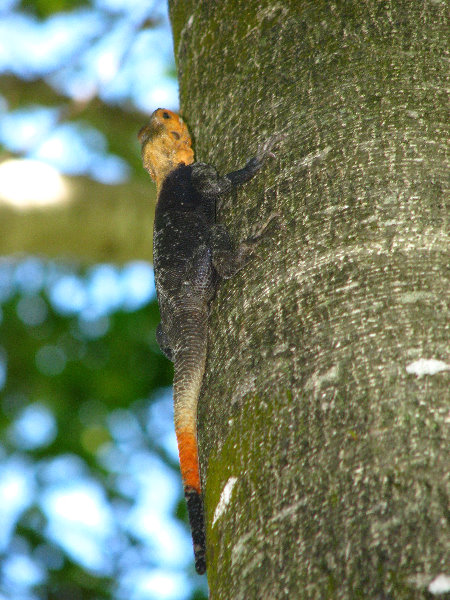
column 175, row 135
column 166, row 115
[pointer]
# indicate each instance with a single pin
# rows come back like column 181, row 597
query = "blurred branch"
column 101, row 223
column 19, row 92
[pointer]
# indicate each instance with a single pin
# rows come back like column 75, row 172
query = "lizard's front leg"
column 254, row 164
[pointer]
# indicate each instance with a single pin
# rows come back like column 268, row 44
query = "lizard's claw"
column 265, row 149
column 259, row 233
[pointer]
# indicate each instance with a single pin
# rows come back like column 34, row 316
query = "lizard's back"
column 185, row 277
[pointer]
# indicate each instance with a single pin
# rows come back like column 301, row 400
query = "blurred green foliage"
column 114, row 369
column 44, row 8
column 87, row 373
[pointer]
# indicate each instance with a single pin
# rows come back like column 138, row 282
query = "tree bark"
column 326, row 395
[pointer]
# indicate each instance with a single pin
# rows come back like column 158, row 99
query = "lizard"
column 191, row 254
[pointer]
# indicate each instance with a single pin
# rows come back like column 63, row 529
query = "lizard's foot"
column 265, row 149
column 259, row 233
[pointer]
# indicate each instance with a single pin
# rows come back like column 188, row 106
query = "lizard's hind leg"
column 162, row 342
column 227, row 260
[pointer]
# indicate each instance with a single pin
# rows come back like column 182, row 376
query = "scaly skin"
column 191, row 252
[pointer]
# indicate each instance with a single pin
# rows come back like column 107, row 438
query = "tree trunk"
column 323, row 412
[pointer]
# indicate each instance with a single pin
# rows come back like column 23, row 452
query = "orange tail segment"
column 187, row 450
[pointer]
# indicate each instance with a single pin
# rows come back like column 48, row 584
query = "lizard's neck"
column 161, row 158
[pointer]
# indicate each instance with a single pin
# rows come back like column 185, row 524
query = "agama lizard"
column 191, row 253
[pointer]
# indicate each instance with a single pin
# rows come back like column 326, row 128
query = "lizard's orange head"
column 166, row 143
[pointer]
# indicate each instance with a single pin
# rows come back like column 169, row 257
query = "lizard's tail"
column 188, row 376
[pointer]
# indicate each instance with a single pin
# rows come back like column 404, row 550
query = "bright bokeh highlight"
column 26, row 183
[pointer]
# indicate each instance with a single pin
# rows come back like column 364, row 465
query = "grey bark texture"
column 325, row 405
